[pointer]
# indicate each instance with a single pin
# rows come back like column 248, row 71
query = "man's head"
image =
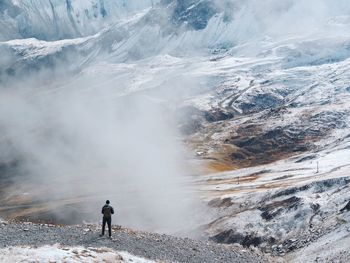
column 107, row 202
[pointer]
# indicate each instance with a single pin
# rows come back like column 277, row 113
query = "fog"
column 78, row 140
column 297, row 17
column 273, row 20
column 79, row 143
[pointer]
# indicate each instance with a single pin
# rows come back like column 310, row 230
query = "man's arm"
column 102, row 209
column 112, row 210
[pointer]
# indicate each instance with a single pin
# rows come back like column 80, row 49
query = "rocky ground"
column 331, row 247
column 152, row 246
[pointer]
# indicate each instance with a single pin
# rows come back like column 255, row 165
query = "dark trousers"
column 107, row 220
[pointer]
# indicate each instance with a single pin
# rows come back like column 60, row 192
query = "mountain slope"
column 260, row 106
column 54, row 20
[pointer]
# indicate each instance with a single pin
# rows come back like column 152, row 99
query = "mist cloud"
column 85, row 143
column 254, row 18
column 83, row 140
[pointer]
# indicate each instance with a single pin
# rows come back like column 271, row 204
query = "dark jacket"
column 107, row 211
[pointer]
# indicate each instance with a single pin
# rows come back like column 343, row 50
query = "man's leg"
column 109, row 222
column 104, row 221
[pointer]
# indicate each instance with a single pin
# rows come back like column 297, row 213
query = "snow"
column 58, row 253
column 249, row 197
column 226, row 66
column 58, row 19
column 333, row 247
column 32, row 47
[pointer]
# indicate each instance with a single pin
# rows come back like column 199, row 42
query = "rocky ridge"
column 158, row 247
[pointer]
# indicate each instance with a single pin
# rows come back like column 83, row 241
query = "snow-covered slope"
column 59, row 19
column 267, row 99
column 185, row 27
column 66, row 254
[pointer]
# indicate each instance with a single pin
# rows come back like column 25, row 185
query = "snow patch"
column 59, row 253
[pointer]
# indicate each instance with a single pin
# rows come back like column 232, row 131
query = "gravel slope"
column 148, row 245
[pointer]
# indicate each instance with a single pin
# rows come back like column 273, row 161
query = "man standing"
column 107, row 212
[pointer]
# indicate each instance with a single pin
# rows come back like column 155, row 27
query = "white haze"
column 275, row 18
column 84, row 141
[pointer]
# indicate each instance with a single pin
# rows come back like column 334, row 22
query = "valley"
column 200, row 118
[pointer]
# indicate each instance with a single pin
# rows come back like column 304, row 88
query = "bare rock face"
column 273, row 209
column 346, row 207
column 230, row 237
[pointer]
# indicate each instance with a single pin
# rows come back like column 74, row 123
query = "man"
column 107, row 212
